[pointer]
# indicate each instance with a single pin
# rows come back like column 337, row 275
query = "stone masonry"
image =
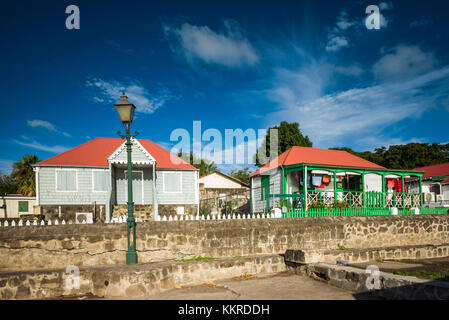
column 37, row 247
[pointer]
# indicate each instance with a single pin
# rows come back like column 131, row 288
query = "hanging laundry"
column 399, row 186
column 316, row 181
column 390, row 183
column 321, row 186
column 326, row 179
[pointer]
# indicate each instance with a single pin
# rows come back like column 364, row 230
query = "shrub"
column 317, row 205
column 340, row 205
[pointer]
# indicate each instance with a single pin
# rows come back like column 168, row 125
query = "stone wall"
column 34, row 247
column 136, row 281
column 141, row 211
column 68, row 212
column 309, row 256
column 388, row 286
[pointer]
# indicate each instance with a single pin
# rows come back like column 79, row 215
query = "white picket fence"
column 218, row 217
column 122, row 219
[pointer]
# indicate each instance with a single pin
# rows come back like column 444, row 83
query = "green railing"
column 434, row 211
column 336, row 212
column 356, row 211
column 366, row 199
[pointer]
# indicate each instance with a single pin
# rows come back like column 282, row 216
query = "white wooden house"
column 93, row 175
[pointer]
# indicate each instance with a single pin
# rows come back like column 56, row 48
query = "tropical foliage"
column 205, row 166
column 7, row 185
column 406, row 157
column 242, row 174
column 289, row 135
column 23, row 175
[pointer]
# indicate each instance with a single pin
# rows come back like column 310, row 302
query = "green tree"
column 242, row 174
column 406, row 157
column 205, row 166
column 289, row 135
column 7, row 184
column 23, row 175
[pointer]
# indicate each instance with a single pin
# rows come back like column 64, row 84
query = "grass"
column 441, row 274
column 342, row 247
column 196, row 258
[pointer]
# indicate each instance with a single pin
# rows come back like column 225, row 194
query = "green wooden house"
column 303, row 178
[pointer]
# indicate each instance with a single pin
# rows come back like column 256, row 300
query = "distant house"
column 92, row 178
column 217, row 189
column 435, row 183
column 221, row 183
column 16, row 206
column 305, row 176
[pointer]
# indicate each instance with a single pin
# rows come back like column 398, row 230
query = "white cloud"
column 372, row 142
column 337, row 37
column 6, row 166
column 421, row 22
column 353, row 70
column 38, row 146
column 46, row 125
column 228, row 48
column 110, row 91
column 354, row 114
column 119, row 46
column 403, row 62
column 336, row 43
column 386, row 5
column 343, row 22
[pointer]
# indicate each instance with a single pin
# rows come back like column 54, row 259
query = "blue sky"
column 229, row 64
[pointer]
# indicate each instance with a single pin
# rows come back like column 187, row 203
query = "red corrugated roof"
column 437, row 170
column 296, row 155
column 95, row 153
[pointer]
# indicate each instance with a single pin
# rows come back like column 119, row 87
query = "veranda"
column 332, row 187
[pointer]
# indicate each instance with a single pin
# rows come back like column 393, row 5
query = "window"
column 66, row 180
column 265, row 184
column 23, row 206
column 100, row 180
column 172, row 182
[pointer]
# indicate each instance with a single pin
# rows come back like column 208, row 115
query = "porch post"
column 383, row 191
column 363, row 188
column 403, row 192
column 155, row 204
column 335, row 186
column 305, row 186
column 420, row 191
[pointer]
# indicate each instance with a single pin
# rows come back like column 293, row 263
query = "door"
column 137, row 186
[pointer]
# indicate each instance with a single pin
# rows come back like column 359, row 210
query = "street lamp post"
column 125, row 110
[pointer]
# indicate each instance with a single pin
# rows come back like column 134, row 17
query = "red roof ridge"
column 67, row 151
column 433, row 165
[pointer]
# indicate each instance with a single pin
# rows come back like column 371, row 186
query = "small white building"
column 16, row 205
column 435, row 184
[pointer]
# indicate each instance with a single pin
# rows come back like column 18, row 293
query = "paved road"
column 282, row 286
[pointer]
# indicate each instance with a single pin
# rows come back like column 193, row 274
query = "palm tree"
column 205, row 166
column 23, row 175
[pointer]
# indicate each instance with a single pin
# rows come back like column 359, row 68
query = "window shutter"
column 23, row 206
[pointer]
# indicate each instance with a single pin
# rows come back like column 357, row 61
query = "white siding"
column 445, row 189
column 189, row 186
column 121, row 185
column 136, row 155
column 49, row 196
column 216, row 180
column 259, row 205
